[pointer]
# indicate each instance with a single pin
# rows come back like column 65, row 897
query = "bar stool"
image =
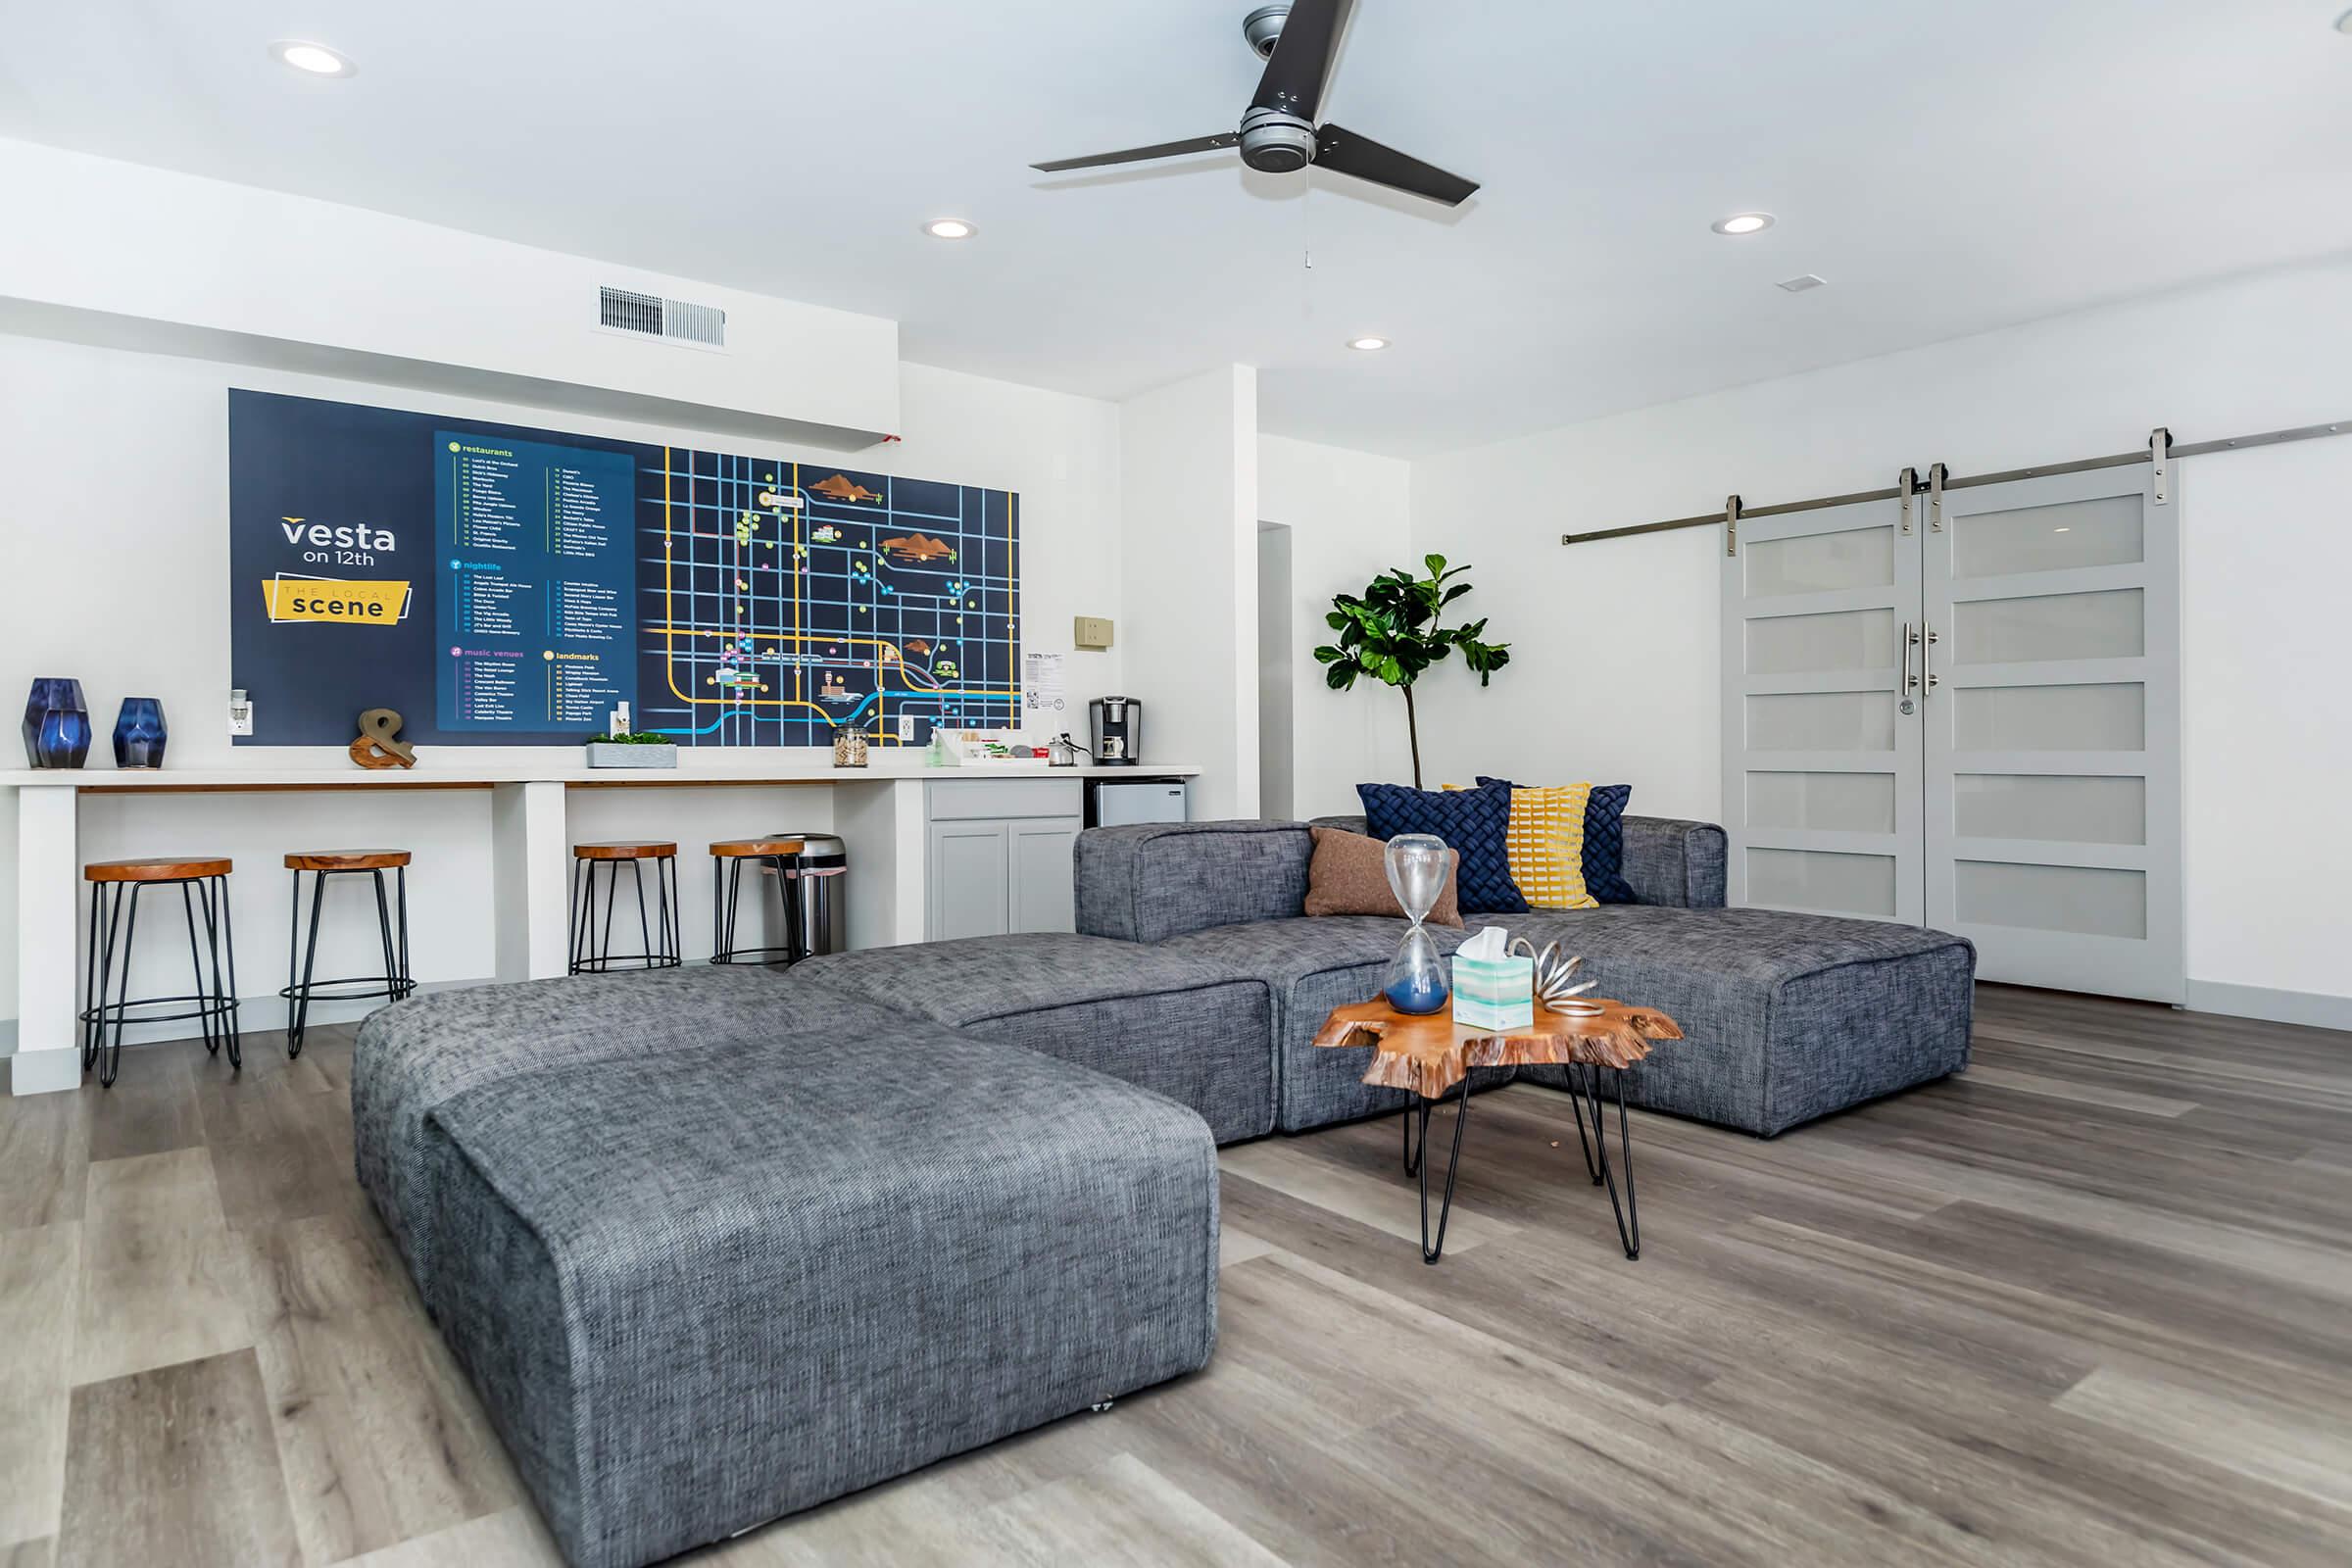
column 660, row 936
column 779, row 856
column 394, row 983
column 204, row 898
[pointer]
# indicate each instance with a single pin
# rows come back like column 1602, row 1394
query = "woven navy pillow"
column 1604, row 839
column 1472, row 822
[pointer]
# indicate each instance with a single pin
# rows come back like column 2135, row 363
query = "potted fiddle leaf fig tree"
column 1393, row 631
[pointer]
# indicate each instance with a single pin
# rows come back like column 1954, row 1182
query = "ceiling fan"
column 1278, row 134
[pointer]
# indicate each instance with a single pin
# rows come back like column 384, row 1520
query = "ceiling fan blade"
column 1136, row 155
column 1343, row 152
column 1292, row 81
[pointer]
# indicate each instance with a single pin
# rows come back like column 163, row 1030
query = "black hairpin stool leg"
column 109, row 1058
column 92, row 988
column 220, row 936
column 299, row 1022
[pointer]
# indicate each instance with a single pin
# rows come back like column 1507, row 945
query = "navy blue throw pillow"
column 1604, row 839
column 1473, row 822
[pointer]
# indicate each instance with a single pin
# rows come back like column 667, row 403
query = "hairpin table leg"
column 1629, row 1217
column 1461, row 1119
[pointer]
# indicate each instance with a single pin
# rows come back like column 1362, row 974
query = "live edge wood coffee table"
column 1426, row 1054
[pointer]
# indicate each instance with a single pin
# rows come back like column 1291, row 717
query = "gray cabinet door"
column 970, row 877
column 1042, row 853
column 1821, row 683
column 2053, row 730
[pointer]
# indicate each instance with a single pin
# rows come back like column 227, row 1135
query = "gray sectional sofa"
column 715, row 1245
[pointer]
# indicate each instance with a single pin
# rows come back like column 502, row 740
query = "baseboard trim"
column 2312, row 1007
column 43, row 1072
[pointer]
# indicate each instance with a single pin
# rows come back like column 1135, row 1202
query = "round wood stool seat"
column 116, row 888
column 155, row 868
column 347, row 860
column 628, row 850
column 756, row 849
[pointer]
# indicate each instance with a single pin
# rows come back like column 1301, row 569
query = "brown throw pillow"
column 1350, row 875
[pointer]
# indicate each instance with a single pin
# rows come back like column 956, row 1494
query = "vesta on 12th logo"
column 350, row 544
column 347, row 601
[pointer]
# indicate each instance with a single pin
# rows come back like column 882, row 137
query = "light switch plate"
column 1092, row 631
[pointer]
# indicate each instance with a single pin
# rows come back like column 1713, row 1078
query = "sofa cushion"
column 1674, row 863
column 411, row 1057
column 1350, row 875
column 1313, row 965
column 695, row 1294
column 1153, row 880
column 1198, row 1034
column 1784, row 1016
column 1475, row 822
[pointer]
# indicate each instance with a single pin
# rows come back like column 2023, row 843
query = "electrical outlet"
column 240, row 715
column 1092, row 631
column 906, row 728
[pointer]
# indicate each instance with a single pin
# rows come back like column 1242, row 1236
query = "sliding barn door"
column 2054, row 729
column 1821, row 742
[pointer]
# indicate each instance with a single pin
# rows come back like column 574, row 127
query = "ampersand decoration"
column 376, row 746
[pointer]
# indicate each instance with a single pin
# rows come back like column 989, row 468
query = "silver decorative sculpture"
column 1556, row 985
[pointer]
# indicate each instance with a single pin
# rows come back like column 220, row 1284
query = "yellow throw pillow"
column 1545, row 846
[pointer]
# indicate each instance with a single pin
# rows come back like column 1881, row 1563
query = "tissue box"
column 1494, row 993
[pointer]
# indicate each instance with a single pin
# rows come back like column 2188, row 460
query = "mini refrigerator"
column 1118, row 803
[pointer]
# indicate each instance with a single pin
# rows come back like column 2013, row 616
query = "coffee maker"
column 1118, row 723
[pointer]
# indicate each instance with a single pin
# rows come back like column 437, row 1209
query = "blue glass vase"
column 57, row 723
column 140, row 733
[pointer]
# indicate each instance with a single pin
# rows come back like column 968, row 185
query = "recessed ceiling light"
column 1744, row 223
column 312, row 59
column 1369, row 345
column 949, row 228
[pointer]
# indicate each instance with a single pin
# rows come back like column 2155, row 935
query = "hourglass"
column 1418, row 866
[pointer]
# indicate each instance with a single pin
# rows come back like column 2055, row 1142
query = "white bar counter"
column 878, row 810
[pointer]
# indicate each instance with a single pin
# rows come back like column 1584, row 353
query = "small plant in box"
column 636, row 748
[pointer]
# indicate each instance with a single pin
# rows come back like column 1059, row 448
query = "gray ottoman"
column 1200, row 1034
column 414, row 1056
column 698, row 1290
column 1785, row 1018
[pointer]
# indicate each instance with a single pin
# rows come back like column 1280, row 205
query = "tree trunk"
column 1412, row 727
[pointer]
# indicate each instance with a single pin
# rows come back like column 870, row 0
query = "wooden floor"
column 2090, row 1303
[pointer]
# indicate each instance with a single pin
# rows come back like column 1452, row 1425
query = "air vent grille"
column 1799, row 283
column 678, row 320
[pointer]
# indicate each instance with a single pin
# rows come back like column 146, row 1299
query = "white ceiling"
column 1948, row 168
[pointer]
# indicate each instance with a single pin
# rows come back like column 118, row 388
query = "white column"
column 531, row 859
column 881, row 823
column 1188, row 560
column 48, row 975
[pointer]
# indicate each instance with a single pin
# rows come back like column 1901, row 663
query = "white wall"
column 1187, row 530
column 114, row 546
column 1615, row 644
column 1347, row 513
column 158, row 259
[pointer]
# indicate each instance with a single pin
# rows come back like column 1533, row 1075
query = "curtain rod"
column 2118, row 460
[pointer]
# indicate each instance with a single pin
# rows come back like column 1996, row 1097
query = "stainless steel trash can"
column 815, row 917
